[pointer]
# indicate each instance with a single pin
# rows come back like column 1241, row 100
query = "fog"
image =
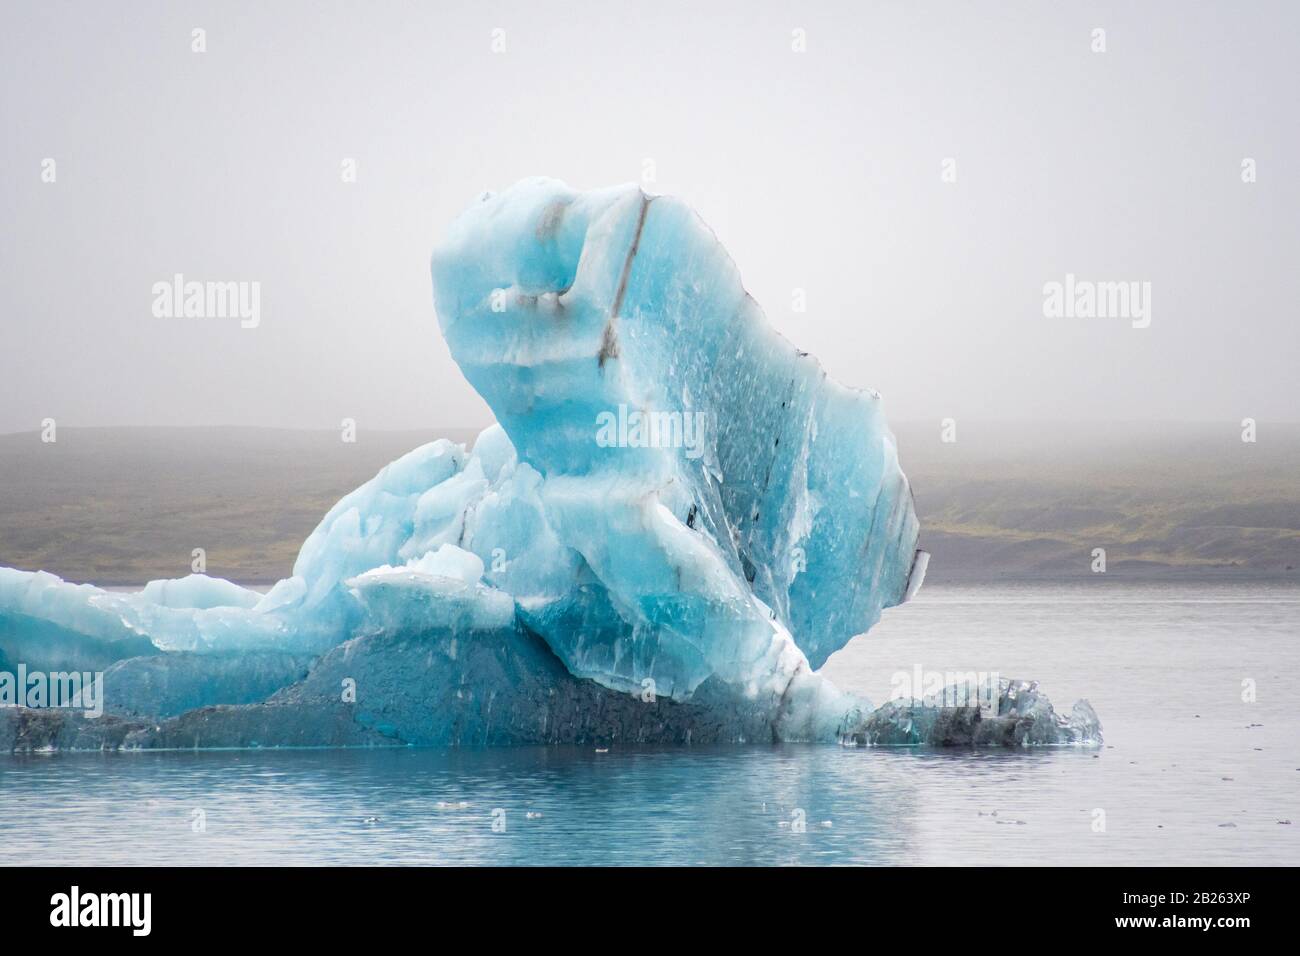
column 916, row 173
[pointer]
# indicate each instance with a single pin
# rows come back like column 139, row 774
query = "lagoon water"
column 1193, row 770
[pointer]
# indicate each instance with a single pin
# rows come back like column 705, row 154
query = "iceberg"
column 1019, row 715
column 676, row 519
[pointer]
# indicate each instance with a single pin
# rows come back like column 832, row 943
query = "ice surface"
column 676, row 520
column 781, row 513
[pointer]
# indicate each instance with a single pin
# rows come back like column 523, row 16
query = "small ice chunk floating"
column 676, row 520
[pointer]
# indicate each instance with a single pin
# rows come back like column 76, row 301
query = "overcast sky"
column 819, row 170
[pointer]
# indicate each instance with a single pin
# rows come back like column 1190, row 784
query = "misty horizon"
column 1016, row 226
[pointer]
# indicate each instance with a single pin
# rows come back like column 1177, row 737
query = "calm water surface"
column 1190, row 774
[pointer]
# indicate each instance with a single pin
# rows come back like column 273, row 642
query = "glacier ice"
column 676, row 520
column 1019, row 716
column 787, row 518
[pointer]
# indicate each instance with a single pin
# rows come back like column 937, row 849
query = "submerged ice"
column 676, row 520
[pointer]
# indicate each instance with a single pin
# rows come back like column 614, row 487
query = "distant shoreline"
column 1011, row 503
column 1189, row 577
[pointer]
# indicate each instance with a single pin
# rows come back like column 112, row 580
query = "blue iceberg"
column 676, row 520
